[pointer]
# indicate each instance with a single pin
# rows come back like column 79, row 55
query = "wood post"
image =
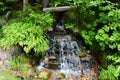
column 25, row 2
column 62, row 8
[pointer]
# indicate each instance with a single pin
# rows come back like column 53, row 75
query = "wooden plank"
column 62, row 8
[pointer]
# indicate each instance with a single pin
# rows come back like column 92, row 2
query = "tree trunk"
column 25, row 2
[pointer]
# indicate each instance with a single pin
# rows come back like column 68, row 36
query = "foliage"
column 11, row 0
column 2, row 6
column 109, row 35
column 98, row 22
column 29, row 31
column 101, row 23
column 7, row 74
column 115, row 58
column 22, row 66
column 55, row 3
column 111, row 73
column 113, row 70
column 15, row 62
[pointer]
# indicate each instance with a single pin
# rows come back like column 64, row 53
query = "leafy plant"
column 22, row 66
column 6, row 5
column 29, row 31
column 103, row 28
column 113, row 70
column 2, row 6
column 6, row 73
column 55, row 3
column 111, row 73
column 115, row 58
column 16, row 62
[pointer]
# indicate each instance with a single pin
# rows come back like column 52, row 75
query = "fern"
column 29, row 32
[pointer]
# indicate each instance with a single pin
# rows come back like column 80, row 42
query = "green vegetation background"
column 97, row 21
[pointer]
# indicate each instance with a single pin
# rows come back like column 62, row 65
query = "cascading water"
column 63, row 55
column 68, row 59
column 67, row 52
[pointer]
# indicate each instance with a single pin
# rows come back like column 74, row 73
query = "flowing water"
column 67, row 51
column 63, row 55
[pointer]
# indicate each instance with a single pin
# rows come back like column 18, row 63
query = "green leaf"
column 91, row 33
column 118, row 46
column 83, row 32
column 1, row 3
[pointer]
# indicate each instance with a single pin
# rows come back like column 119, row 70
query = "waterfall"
column 64, row 55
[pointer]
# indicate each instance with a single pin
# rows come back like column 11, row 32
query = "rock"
column 83, row 78
column 1, row 63
column 61, row 76
column 89, row 62
column 71, row 78
column 84, row 52
column 4, row 58
column 53, row 57
column 45, row 74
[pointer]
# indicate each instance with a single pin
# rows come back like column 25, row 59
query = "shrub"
column 28, row 31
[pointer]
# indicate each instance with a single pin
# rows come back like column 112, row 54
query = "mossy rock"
column 44, row 74
column 61, row 76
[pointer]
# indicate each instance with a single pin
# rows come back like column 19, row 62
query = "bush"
column 28, row 31
column 113, row 70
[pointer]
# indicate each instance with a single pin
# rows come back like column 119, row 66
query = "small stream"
column 64, row 57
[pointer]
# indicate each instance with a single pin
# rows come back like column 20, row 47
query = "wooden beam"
column 62, row 8
column 25, row 2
